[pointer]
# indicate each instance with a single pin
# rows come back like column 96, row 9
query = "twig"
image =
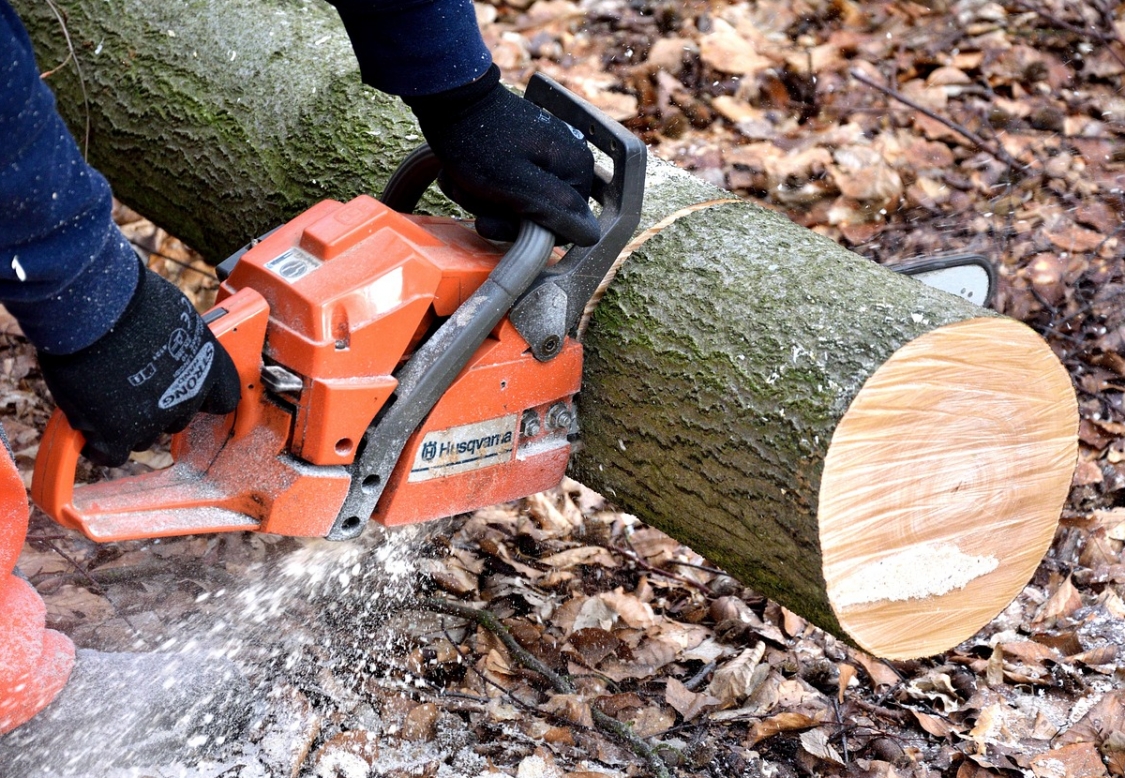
column 36, row 536
column 1096, row 34
column 1105, row 38
column 185, row 265
column 897, row 716
column 558, row 682
column 694, row 566
column 492, row 624
column 965, row 132
column 111, row 575
column 48, row 73
column 697, row 680
column 640, row 562
column 78, row 70
column 97, row 586
column 506, row 692
column 843, row 729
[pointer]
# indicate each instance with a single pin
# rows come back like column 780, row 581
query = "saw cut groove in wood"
column 943, row 485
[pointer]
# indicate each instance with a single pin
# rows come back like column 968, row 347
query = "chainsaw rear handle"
column 239, row 324
column 552, row 305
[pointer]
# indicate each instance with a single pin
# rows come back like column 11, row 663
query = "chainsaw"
column 394, row 367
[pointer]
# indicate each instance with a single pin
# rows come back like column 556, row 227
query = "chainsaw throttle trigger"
column 552, row 307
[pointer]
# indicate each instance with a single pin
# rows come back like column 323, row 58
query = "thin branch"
column 489, row 621
column 694, row 566
column 640, row 562
column 185, row 265
column 48, row 73
column 78, row 70
column 97, row 586
column 558, row 682
column 965, row 132
column 111, row 575
column 464, row 655
column 1105, row 38
column 697, row 680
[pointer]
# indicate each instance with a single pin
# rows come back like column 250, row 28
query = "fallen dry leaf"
column 815, row 741
column 1076, row 760
column 782, row 722
column 733, row 681
column 570, row 707
column 629, row 608
column 687, row 703
column 593, row 644
column 1062, row 603
column 862, row 174
column 583, row 555
column 1105, row 718
column 728, row 52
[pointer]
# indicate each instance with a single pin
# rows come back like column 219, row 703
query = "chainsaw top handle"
column 551, row 307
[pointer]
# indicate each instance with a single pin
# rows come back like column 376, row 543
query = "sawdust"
column 915, row 573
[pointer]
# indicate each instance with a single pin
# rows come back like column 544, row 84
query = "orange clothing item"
column 35, row 662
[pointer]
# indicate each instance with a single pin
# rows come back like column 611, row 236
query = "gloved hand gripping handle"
column 549, row 310
column 552, row 307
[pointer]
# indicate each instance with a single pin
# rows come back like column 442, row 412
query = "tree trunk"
column 886, row 460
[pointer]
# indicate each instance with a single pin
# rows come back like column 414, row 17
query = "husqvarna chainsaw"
column 394, row 367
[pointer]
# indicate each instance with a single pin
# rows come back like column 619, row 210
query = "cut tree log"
column 884, row 459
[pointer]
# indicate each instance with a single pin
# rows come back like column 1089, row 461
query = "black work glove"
column 151, row 373
column 504, row 158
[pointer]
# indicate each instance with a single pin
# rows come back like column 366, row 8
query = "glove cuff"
column 449, row 106
column 414, row 47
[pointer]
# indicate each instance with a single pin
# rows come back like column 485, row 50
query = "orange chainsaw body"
column 333, row 302
column 394, row 367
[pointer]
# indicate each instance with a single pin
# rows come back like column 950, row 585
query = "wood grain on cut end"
column 943, row 485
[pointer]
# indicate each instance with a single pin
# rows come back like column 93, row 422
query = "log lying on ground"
column 883, row 459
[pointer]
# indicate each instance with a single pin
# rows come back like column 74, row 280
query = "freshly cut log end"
column 943, row 485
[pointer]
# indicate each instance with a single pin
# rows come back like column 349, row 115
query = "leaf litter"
column 899, row 129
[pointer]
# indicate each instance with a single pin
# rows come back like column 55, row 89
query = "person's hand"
column 504, row 158
column 151, row 373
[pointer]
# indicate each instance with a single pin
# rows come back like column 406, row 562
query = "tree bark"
column 886, row 460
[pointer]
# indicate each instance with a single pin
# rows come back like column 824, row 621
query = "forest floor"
column 899, row 129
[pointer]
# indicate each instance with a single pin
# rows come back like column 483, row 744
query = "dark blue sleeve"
column 66, row 272
column 415, row 47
